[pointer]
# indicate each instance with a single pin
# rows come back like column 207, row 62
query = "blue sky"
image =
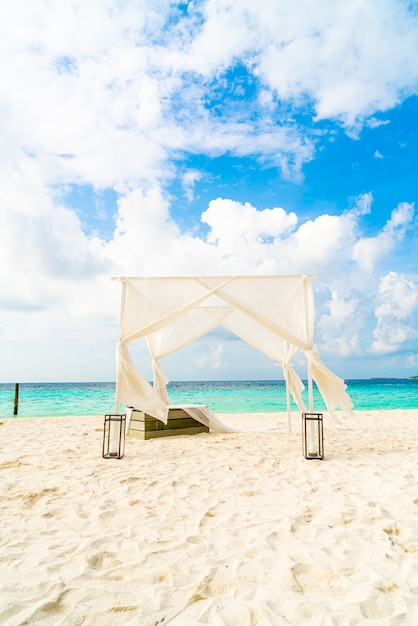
column 207, row 137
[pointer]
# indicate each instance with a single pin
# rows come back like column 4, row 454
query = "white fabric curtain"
column 331, row 387
column 275, row 314
column 294, row 384
column 149, row 305
column 133, row 390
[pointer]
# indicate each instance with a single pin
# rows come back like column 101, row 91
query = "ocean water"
column 60, row 399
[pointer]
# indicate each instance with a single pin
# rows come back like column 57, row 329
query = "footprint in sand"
column 322, row 580
column 392, row 530
column 131, row 479
column 379, row 605
column 104, row 560
column 12, row 463
column 29, row 499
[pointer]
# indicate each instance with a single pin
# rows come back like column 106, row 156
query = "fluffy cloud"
column 189, row 179
column 352, row 55
column 350, row 59
column 82, row 99
column 339, row 331
column 396, row 315
column 369, row 251
column 233, row 222
column 43, row 245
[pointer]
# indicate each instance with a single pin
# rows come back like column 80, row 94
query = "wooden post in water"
column 16, row 403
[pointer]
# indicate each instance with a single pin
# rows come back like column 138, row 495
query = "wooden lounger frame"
column 144, row 426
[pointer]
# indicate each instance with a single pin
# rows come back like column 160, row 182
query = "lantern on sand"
column 312, row 436
column 114, row 436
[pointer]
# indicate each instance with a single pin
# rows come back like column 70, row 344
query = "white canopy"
column 275, row 314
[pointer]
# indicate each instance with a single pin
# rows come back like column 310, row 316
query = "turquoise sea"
column 54, row 399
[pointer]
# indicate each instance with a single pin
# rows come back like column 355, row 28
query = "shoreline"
column 217, row 528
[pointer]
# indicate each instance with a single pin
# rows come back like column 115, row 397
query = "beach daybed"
column 183, row 419
column 179, row 422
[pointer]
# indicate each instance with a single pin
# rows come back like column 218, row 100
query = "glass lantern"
column 312, row 436
column 114, row 436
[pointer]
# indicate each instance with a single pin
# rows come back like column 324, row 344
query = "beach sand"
column 220, row 529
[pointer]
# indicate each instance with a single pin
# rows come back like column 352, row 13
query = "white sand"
column 218, row 529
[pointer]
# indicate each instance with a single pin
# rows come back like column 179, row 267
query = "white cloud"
column 213, row 360
column 107, row 105
column 378, row 155
column 43, row 245
column 369, row 251
column 353, row 59
column 396, row 315
column 145, row 234
column 225, row 35
column 363, row 204
column 400, row 294
column 241, row 239
column 239, row 225
column 373, row 122
column 339, row 331
column 189, row 179
column 323, row 245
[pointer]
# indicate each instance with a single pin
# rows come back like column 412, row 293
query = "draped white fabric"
column 294, row 384
column 331, row 387
column 133, row 390
column 275, row 314
column 204, row 415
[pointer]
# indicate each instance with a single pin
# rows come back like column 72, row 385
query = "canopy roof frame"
column 275, row 314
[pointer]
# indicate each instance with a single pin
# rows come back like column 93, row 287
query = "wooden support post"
column 16, row 403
